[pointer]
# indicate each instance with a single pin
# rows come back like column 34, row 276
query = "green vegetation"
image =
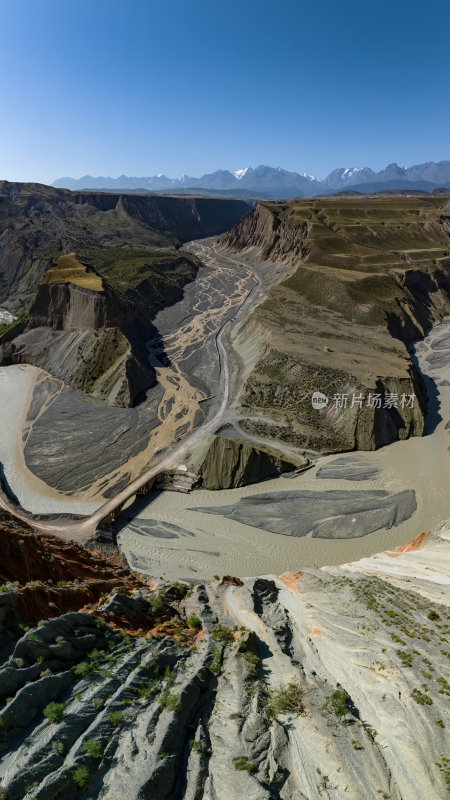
column 55, row 712
column 444, row 766
column 115, row 717
column 243, row 764
column 7, row 326
column 439, row 722
column 84, row 669
column 80, row 776
column 286, row 700
column 222, row 633
column 214, row 662
column 197, row 746
column 252, row 663
column 405, row 658
column 58, row 748
column 340, row 702
column 125, row 268
column 68, row 269
column 194, row 622
column 168, row 701
column 421, row 698
column 92, row 748
column 433, row 615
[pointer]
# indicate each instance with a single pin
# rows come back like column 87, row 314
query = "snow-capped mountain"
column 275, row 182
column 239, row 174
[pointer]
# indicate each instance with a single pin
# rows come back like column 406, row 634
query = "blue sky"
column 142, row 87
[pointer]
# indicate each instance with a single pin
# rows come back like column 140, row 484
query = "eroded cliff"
column 317, row 683
column 367, row 278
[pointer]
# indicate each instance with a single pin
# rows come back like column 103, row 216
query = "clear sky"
column 140, row 87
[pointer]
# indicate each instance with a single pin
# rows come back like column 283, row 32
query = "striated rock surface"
column 230, row 463
column 38, row 223
column 351, row 283
column 317, row 683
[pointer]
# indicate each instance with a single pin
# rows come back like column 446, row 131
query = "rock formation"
column 229, row 463
column 317, row 683
column 351, row 284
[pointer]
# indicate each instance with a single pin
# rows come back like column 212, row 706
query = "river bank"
column 173, row 534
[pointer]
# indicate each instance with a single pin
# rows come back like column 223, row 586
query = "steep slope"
column 319, row 683
column 39, row 223
column 367, row 278
column 90, row 336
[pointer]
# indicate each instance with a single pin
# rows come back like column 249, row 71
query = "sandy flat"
column 221, row 545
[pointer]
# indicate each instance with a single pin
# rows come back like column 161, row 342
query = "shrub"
column 58, row 748
column 421, row 698
column 92, row 748
column 405, row 658
column 288, row 699
column 80, row 776
column 196, row 746
column 115, row 717
column 340, row 702
column 433, row 615
column 170, row 702
column 223, row 633
column 84, row 669
column 241, row 763
column 194, row 622
column 98, row 703
column 252, row 662
column 157, row 603
column 54, row 712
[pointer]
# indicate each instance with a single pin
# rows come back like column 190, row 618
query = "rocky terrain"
column 363, row 280
column 119, row 235
column 91, row 317
column 318, row 683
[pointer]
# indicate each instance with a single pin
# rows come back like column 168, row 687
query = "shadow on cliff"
column 4, row 485
column 432, row 416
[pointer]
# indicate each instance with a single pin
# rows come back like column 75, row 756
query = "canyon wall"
column 366, row 279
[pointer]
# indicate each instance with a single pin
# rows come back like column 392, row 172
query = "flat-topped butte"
column 67, row 269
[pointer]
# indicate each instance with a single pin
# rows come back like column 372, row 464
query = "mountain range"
column 266, row 181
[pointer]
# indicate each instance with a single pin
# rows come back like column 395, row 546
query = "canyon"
column 207, row 585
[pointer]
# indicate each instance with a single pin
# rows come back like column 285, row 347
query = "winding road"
column 81, row 529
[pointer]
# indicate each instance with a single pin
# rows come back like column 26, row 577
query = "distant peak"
column 239, row 174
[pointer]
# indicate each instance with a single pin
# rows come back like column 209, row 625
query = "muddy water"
column 200, row 545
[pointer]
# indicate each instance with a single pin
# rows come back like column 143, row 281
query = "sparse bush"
column 92, row 748
column 438, row 721
column 98, row 703
column 286, row 700
column 196, row 746
column 421, row 698
column 115, row 717
column 58, row 748
column 340, row 702
column 252, row 663
column 169, row 702
column 433, row 615
column 54, row 712
column 194, row 622
column 84, row 669
column 243, row 764
column 80, row 776
column 405, row 658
